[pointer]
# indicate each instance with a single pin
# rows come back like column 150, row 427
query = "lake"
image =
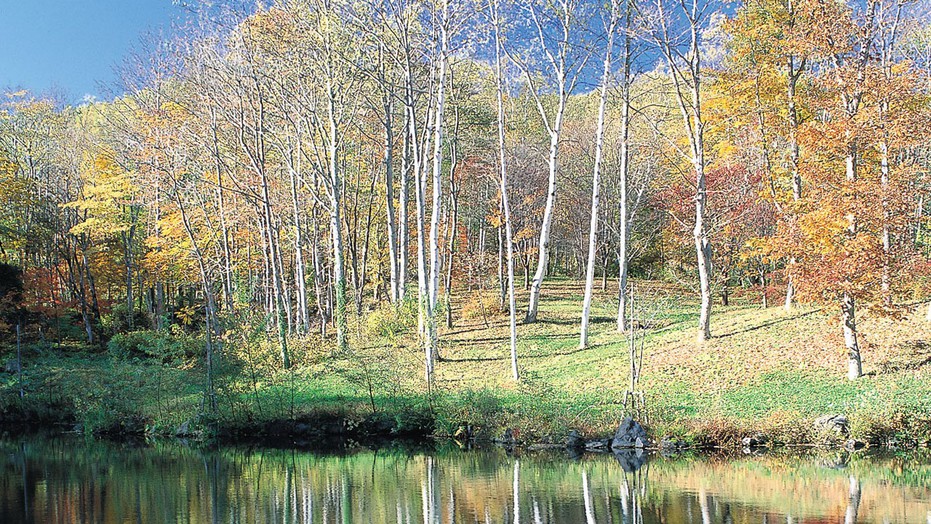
column 70, row 479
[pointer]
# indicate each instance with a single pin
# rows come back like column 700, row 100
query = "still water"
column 74, row 480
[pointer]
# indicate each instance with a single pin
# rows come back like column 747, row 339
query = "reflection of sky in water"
column 70, row 480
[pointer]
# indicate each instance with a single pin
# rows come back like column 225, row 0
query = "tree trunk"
column 702, row 244
column 403, row 223
column 303, row 310
column 505, row 205
column 596, row 182
column 848, row 312
column 763, row 286
column 339, row 277
column 221, row 209
column 687, row 77
column 389, row 201
column 624, row 168
column 320, row 286
column 435, row 256
column 544, row 245
column 502, row 283
column 423, row 301
column 128, row 268
column 366, row 244
column 564, row 18
column 794, row 73
column 451, row 240
column 848, row 309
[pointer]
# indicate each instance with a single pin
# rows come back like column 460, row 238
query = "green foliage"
column 390, row 322
column 174, row 346
column 480, row 408
column 117, row 320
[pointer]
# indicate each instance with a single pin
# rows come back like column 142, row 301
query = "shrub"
column 481, row 408
column 117, row 321
column 166, row 347
column 480, row 304
column 391, row 321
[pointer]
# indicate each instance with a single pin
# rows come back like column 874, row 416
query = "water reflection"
column 70, row 480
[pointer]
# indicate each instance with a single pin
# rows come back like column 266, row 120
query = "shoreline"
column 328, row 429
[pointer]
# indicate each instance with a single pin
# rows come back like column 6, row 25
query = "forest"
column 321, row 191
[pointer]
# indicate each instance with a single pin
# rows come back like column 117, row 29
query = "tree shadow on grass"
column 474, row 359
column 524, row 356
column 463, row 328
column 555, row 321
column 768, row 323
column 452, row 342
column 915, row 354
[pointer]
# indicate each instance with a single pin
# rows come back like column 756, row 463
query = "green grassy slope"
column 764, row 370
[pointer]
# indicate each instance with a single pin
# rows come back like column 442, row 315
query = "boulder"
column 377, row 425
column 629, row 435
column 755, row 441
column 833, row 423
column 670, row 446
column 184, row 430
column 600, row 444
column 574, row 440
column 854, row 445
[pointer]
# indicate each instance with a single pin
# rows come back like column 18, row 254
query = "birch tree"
column 556, row 27
column 610, row 29
column 676, row 32
column 625, row 209
column 503, row 182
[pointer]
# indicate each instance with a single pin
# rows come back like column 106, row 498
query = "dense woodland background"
column 288, row 171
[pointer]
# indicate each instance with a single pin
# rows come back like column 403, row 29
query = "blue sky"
column 72, row 45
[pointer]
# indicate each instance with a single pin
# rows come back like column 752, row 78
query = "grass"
column 764, row 370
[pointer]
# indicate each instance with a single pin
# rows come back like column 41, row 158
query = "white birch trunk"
column 687, row 78
column 596, row 182
column 420, row 199
column 625, row 214
column 505, row 204
column 544, row 244
column 403, row 221
column 554, row 128
column 394, row 285
column 848, row 304
column 435, row 256
column 794, row 160
column 339, row 276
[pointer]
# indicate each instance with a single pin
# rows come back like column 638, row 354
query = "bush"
column 481, row 305
column 480, row 408
column 166, row 347
column 117, row 321
column 390, row 321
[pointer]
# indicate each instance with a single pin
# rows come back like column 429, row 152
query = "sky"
column 70, row 47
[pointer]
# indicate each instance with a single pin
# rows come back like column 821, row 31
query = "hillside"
column 765, row 370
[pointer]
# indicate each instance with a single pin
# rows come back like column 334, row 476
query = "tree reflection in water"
column 69, row 480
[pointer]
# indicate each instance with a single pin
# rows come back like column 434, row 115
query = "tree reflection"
column 853, row 501
column 633, row 490
column 78, row 481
